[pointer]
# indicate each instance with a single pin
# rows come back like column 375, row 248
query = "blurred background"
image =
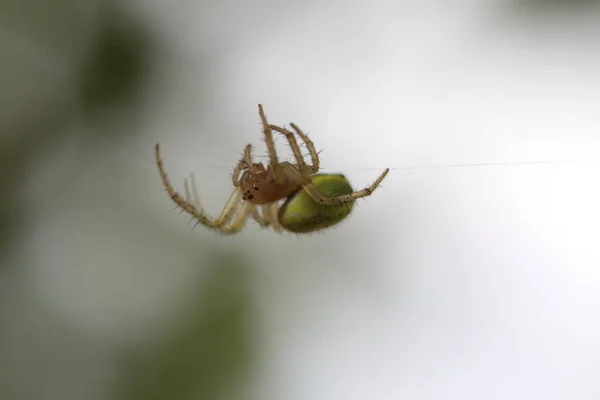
column 473, row 282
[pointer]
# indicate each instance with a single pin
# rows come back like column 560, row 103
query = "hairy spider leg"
column 332, row 201
column 314, row 155
column 243, row 212
column 245, row 162
column 294, row 145
column 261, row 219
column 230, row 209
column 192, row 209
column 308, row 186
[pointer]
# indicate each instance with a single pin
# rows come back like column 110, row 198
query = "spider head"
column 259, row 186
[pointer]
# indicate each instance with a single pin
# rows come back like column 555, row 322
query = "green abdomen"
column 301, row 214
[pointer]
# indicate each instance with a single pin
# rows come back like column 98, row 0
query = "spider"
column 312, row 201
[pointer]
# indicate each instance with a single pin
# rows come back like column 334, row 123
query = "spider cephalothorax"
column 259, row 185
column 312, row 201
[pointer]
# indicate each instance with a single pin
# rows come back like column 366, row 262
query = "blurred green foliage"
column 565, row 3
column 112, row 53
column 111, row 69
column 114, row 70
column 209, row 356
column 552, row 6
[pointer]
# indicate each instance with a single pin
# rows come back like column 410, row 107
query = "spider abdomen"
column 301, row 214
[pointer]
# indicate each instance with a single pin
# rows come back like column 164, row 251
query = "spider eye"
column 256, row 188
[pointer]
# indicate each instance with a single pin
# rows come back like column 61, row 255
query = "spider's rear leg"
column 332, row 201
column 318, row 197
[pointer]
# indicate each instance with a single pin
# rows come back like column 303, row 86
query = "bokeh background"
column 474, row 282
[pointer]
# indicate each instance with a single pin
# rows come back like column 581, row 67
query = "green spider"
column 312, row 201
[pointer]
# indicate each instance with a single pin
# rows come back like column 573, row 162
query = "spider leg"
column 277, row 171
column 191, row 203
column 269, row 217
column 318, row 197
column 266, row 213
column 273, row 210
column 228, row 211
column 245, row 162
column 242, row 216
column 332, row 201
column 295, row 149
column 314, row 155
column 263, row 221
